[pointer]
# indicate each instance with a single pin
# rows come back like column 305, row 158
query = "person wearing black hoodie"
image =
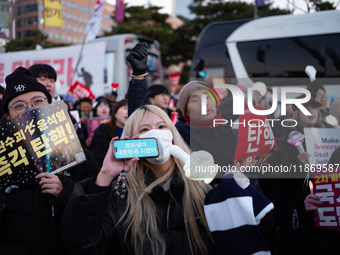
column 30, row 218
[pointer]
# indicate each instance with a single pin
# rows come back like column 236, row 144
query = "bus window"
column 287, row 57
column 333, row 56
column 216, row 56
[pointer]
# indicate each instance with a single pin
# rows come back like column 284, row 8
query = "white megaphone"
column 205, row 163
column 296, row 139
column 207, row 170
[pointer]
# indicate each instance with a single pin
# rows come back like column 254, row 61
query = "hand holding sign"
column 311, row 202
column 50, row 184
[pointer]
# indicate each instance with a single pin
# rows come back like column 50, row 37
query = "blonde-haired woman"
column 162, row 211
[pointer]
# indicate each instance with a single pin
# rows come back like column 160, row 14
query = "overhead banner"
column 53, row 14
column 95, row 22
column 320, row 144
column 63, row 60
column 41, row 140
column 120, row 10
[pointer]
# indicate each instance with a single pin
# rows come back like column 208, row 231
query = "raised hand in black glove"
column 138, row 58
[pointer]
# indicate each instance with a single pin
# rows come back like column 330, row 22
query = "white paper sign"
column 320, row 143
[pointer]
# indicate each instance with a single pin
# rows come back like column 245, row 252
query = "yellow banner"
column 53, row 14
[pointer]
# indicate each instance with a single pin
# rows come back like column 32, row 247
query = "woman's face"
column 151, row 121
column 121, row 116
column 322, row 99
column 103, row 109
column 309, row 120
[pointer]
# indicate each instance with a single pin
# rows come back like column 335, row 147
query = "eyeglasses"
column 20, row 107
column 319, row 95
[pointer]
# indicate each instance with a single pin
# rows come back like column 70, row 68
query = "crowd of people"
column 148, row 206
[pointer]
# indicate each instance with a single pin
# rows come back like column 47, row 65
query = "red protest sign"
column 326, row 185
column 255, row 139
column 174, row 78
column 80, row 90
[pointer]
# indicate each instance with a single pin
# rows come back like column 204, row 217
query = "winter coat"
column 296, row 237
column 100, row 142
column 30, row 220
column 90, row 220
column 328, row 238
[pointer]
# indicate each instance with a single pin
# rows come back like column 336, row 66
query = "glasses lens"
column 19, row 107
column 38, row 102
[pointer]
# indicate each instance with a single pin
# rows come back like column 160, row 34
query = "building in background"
column 29, row 16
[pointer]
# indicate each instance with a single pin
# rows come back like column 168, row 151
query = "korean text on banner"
column 41, row 140
column 320, row 144
column 94, row 24
column 63, row 60
column 326, row 185
column 53, row 14
column 255, row 139
column 80, row 90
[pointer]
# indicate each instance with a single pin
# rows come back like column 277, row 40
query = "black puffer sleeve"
column 138, row 94
column 88, row 219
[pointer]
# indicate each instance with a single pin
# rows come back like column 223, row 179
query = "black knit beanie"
column 314, row 87
column 20, row 82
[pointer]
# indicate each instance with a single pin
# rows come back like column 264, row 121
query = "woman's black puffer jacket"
column 90, row 220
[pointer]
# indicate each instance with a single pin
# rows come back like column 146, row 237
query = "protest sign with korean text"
column 255, row 139
column 80, row 90
column 326, row 185
column 40, row 140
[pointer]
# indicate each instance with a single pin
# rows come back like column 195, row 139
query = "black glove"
column 278, row 156
column 138, row 58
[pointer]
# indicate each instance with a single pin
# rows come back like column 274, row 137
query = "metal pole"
column 82, row 48
column 79, row 59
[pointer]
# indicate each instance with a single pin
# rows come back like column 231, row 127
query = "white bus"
column 273, row 47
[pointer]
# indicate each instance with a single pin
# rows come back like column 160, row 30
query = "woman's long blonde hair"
column 141, row 212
